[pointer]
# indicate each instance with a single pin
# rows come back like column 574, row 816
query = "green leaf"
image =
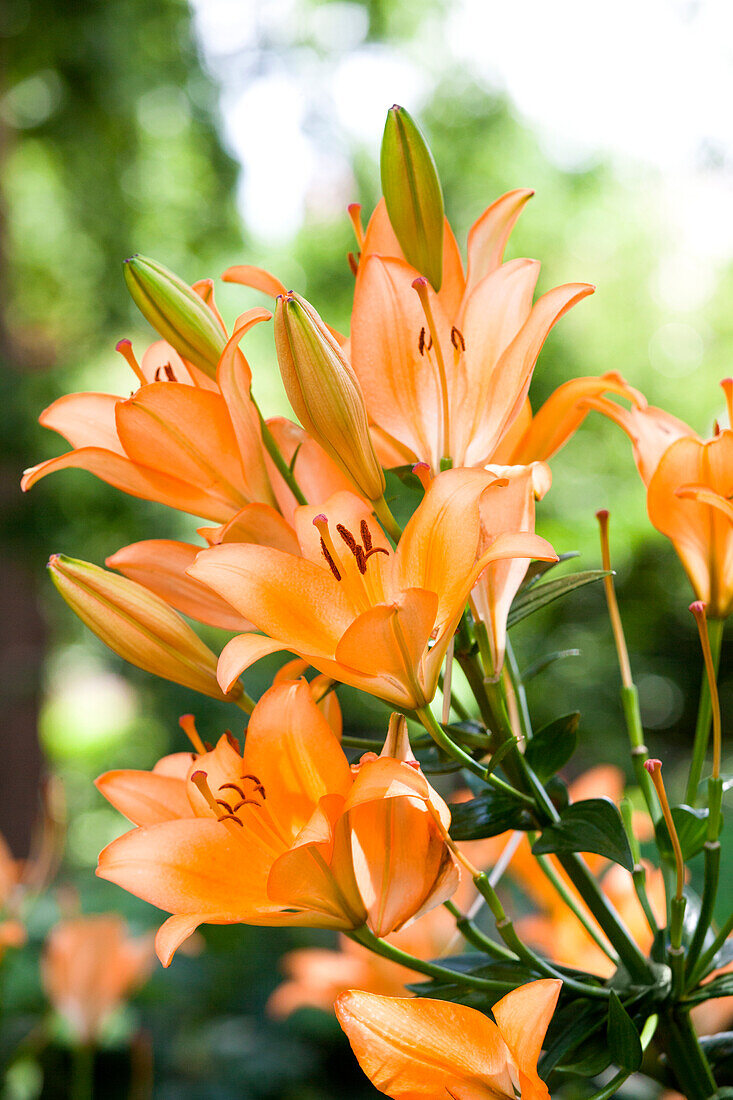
column 691, row 825
column 445, row 990
column 413, row 195
column 489, row 814
column 553, row 745
column 572, row 1025
column 542, row 663
column 624, row 1044
column 537, row 569
column 534, row 597
column 593, row 825
column 719, row 987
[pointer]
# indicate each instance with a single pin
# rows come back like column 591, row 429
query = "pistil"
column 421, row 286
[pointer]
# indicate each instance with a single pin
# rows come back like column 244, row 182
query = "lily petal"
column 84, row 420
column 488, row 236
column 146, row 798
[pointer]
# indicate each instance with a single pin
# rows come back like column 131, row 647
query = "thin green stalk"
column 473, row 935
column 639, row 751
column 431, row 970
column 387, row 520
column 545, row 864
column 277, row 457
column 638, row 872
column 449, row 746
column 518, row 684
column 245, row 702
column 707, row 903
column 704, row 716
column 705, row 960
column 82, row 1072
column 686, row 1057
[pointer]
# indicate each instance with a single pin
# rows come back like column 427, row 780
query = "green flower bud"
column 413, row 195
column 325, row 393
column 176, row 312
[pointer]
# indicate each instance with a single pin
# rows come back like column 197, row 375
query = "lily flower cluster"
column 423, row 411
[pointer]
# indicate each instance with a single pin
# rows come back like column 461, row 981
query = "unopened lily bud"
column 413, row 195
column 325, row 392
column 176, row 311
column 137, row 625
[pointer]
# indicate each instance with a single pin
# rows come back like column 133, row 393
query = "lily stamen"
column 420, row 285
column 187, row 722
column 124, row 347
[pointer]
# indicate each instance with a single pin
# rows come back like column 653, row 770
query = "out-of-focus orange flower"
column 434, row 1049
column 689, row 486
column 90, row 966
column 180, row 439
column 351, row 606
column 12, row 931
column 285, row 833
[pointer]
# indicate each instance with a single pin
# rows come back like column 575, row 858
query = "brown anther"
column 376, row 550
column 156, row 376
column 366, row 535
column 457, row 339
column 258, row 786
column 421, row 341
column 347, row 536
column 360, row 559
column 353, row 262
column 231, row 817
column 208, row 746
column 224, row 805
column 232, row 787
column 247, row 802
column 331, row 563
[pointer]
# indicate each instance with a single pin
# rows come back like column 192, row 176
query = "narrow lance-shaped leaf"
column 593, row 825
column 553, row 745
column 539, row 595
column 176, row 312
column 624, row 1044
column 413, row 195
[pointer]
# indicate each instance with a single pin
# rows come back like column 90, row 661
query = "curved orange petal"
column 258, row 523
column 292, row 750
column 523, row 1017
column 493, row 314
column 564, row 411
column 304, row 878
column 438, row 547
column 488, row 236
column 255, row 277
column 84, row 420
column 234, row 379
column 513, row 372
column 138, row 481
column 195, row 866
column 241, row 652
column 650, row 430
column 290, row 599
column 176, row 764
column 400, row 385
column 146, row 798
column 422, row 1048
column 160, row 565
column 388, row 642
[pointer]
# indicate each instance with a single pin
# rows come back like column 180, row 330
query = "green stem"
column 82, row 1072
column 245, row 702
column 387, row 520
column 639, row 751
column 707, row 957
column 686, row 1058
column 550, row 873
column 449, row 746
column 704, row 716
column 277, row 457
column 432, row 970
column 518, row 684
column 707, row 903
column 473, row 935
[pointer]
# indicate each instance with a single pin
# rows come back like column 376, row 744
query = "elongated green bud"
column 137, row 625
column 176, row 312
column 413, row 195
column 325, row 393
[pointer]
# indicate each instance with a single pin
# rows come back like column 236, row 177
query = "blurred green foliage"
column 108, row 145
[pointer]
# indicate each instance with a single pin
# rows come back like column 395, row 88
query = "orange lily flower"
column 689, row 486
column 178, row 440
column 437, row 1050
column 285, row 833
column 352, row 607
column 90, row 966
column 446, row 375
